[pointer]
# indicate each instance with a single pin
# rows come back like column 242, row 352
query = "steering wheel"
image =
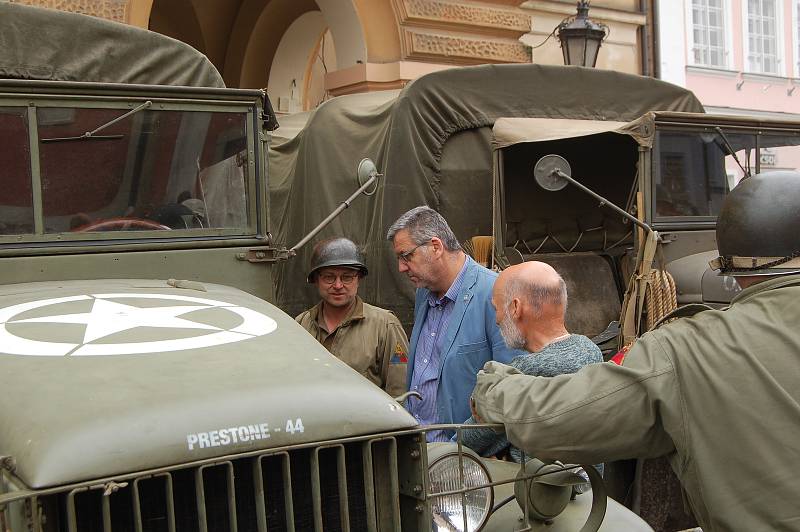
column 127, row 223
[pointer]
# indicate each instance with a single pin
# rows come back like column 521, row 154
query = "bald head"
column 530, row 300
column 535, row 284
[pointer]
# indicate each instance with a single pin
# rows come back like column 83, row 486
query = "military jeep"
column 146, row 382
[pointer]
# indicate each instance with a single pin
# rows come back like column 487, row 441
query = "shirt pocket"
column 471, row 348
column 469, row 358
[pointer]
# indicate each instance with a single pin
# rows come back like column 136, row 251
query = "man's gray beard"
column 511, row 334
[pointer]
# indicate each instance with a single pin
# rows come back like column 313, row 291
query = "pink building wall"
column 737, row 88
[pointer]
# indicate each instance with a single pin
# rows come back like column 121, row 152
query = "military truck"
column 626, row 211
column 146, row 381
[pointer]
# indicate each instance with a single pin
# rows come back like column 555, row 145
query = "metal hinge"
column 257, row 255
column 8, row 463
column 666, row 238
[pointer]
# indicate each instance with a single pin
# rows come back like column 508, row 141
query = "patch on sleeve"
column 400, row 356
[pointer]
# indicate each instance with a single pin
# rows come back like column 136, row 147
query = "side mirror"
column 367, row 173
column 552, row 172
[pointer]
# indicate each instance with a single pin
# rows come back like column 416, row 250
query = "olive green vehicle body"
column 146, row 381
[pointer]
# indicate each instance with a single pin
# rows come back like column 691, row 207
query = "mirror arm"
column 603, row 201
column 345, row 204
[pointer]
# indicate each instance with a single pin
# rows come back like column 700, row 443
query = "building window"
column 796, row 18
column 708, row 33
column 763, row 54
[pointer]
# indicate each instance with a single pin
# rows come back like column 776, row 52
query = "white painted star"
column 108, row 317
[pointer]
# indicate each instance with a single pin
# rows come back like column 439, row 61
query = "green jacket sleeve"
column 604, row 412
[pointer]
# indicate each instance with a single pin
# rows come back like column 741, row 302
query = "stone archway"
column 255, row 37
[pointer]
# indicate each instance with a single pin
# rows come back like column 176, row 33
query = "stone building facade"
column 304, row 51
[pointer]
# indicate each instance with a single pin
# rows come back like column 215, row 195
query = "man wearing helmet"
column 718, row 393
column 368, row 339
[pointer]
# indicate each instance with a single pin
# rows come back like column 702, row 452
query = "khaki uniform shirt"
column 370, row 340
column 718, row 393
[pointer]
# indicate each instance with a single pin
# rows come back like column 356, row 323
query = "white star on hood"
column 108, row 317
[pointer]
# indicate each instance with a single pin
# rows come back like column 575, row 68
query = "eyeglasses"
column 406, row 256
column 330, row 278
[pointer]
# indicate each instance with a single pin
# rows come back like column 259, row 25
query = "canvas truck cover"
column 46, row 44
column 142, row 375
column 432, row 142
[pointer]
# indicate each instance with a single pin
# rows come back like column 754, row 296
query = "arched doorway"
column 306, row 53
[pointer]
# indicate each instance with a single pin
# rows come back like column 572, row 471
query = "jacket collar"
column 356, row 313
column 763, row 286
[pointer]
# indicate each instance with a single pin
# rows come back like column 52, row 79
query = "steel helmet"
column 757, row 226
column 339, row 252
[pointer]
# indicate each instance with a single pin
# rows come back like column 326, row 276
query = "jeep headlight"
column 448, row 511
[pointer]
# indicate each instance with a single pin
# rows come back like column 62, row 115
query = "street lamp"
column 581, row 37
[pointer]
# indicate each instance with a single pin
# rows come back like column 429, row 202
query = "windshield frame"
column 107, row 96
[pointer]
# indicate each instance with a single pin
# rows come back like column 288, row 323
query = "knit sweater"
column 564, row 356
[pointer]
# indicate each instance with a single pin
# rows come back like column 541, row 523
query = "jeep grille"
column 353, row 485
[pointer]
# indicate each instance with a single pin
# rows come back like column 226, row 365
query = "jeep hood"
column 109, row 377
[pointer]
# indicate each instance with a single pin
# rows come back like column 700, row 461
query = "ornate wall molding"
column 116, row 10
column 422, row 45
column 461, row 31
column 444, row 13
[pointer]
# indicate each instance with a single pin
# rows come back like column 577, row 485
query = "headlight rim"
column 439, row 451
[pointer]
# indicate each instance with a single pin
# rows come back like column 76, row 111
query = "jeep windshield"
column 125, row 169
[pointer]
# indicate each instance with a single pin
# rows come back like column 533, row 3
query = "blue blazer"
column 472, row 339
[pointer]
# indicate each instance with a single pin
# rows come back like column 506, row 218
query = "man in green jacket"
column 369, row 339
column 718, row 393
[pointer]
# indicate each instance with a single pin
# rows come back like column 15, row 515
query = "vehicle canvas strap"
column 633, row 305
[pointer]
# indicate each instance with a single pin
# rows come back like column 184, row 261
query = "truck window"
column 16, row 197
column 156, row 170
column 689, row 171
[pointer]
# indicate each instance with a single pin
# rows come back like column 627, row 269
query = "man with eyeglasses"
column 367, row 338
column 454, row 322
